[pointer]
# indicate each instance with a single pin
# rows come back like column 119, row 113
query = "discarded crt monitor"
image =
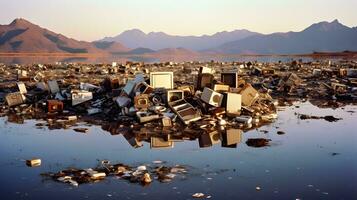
column 80, row 96
column 162, row 80
column 42, row 86
column 129, row 87
column 188, row 90
column 110, row 83
column 208, row 139
column 174, row 95
column 22, row 88
column 123, row 101
column 339, row 88
column 230, row 78
column 205, row 70
column 53, row 86
column 132, row 140
column 249, row 95
column 22, row 75
column 211, row 97
column 166, row 122
column 289, row 80
column 143, row 88
column 54, row 106
column 185, row 111
column 14, row 99
column 233, row 103
column 231, row 137
column 204, row 80
column 351, row 73
column 141, row 101
column 268, row 72
column 158, row 142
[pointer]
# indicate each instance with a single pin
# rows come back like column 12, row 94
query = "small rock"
column 198, row 195
column 141, row 168
column 81, row 130
column 146, row 178
column 280, row 132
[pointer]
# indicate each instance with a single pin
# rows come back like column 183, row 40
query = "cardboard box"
column 162, row 80
column 211, row 97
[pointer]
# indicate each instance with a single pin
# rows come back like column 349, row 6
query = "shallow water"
column 315, row 159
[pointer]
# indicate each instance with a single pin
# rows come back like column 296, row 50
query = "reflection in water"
column 311, row 153
column 163, row 137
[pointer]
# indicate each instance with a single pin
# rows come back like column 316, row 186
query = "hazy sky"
column 94, row 19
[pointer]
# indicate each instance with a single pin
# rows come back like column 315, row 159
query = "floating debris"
column 35, row 162
column 328, row 118
column 82, row 130
column 141, row 174
column 280, row 132
column 198, row 195
column 258, row 142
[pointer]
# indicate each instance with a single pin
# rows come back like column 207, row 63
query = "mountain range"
column 22, row 36
column 135, row 38
column 320, row 37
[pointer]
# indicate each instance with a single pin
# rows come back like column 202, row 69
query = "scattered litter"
column 258, row 142
column 141, row 174
column 328, row 118
column 82, row 130
column 35, row 162
column 198, row 195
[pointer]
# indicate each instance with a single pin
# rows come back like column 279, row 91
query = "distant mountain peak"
column 23, row 36
column 335, row 21
column 326, row 26
column 134, row 31
column 20, row 22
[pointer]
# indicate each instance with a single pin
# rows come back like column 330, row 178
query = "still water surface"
column 315, row 159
